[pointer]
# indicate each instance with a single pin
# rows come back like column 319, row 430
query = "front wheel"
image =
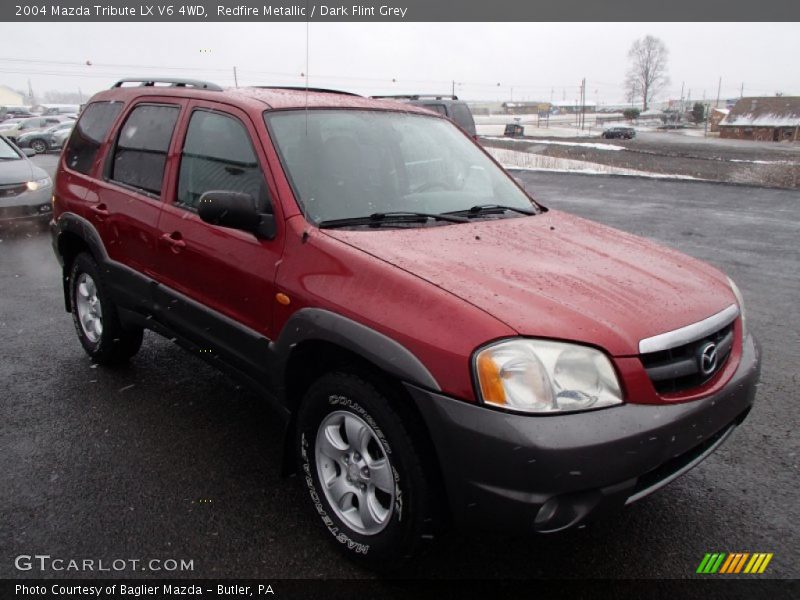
column 362, row 466
column 38, row 146
column 96, row 320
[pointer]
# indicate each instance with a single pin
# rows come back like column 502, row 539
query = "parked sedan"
column 625, row 133
column 27, row 125
column 46, row 139
column 60, row 137
column 11, row 112
column 25, row 189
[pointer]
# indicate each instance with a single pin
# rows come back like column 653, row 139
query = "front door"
column 218, row 283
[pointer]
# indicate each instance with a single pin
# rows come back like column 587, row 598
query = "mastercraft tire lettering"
column 362, row 470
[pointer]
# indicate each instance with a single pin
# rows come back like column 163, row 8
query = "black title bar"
column 401, row 10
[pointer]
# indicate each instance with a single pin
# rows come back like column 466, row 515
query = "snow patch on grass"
column 595, row 145
column 513, row 159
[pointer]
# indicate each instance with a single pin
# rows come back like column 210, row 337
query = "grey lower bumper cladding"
column 546, row 473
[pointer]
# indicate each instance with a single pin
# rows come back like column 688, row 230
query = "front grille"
column 15, row 189
column 679, row 369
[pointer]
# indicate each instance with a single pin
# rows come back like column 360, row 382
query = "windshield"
column 6, row 151
column 353, row 163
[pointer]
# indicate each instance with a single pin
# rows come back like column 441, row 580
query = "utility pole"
column 453, row 89
column 235, row 78
column 719, row 89
column 583, row 103
column 708, row 114
column 741, row 91
column 30, row 93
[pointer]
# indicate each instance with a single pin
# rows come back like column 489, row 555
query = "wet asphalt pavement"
column 168, row 459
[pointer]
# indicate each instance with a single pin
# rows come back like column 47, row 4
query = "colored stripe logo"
column 734, row 563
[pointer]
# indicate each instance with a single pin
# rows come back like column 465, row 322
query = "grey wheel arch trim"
column 69, row 222
column 384, row 352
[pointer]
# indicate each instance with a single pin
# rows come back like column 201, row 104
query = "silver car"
column 13, row 129
column 25, row 189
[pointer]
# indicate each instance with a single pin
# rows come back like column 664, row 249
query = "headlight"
column 539, row 376
column 740, row 302
column 39, row 183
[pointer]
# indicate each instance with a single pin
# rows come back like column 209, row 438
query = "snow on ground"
column 532, row 131
column 761, row 162
column 513, row 159
column 596, row 146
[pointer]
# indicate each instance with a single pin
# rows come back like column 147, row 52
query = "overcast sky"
column 537, row 60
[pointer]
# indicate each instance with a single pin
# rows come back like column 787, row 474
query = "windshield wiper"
column 378, row 219
column 484, row 209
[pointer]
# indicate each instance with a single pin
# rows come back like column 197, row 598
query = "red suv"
column 440, row 347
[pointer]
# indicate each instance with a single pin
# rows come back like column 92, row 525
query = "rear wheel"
column 362, row 465
column 96, row 320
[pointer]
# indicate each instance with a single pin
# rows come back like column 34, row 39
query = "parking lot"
column 167, row 458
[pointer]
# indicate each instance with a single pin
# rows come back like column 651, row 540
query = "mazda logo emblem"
column 707, row 359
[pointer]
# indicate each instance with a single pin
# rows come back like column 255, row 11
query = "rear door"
column 218, row 282
column 130, row 192
column 127, row 199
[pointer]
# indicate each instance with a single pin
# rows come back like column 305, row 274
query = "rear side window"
column 439, row 108
column 89, row 133
column 463, row 116
column 141, row 150
column 218, row 155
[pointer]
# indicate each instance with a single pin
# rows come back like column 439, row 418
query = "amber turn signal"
column 489, row 377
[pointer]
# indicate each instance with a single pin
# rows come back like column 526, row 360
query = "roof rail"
column 172, row 81
column 303, row 89
column 419, row 97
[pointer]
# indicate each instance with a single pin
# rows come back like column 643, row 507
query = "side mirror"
column 29, row 152
column 236, row 210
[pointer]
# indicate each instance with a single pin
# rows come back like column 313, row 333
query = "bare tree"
column 647, row 74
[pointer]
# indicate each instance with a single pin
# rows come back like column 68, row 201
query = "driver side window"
column 218, row 155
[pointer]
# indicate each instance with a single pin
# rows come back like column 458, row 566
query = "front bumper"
column 548, row 473
column 28, row 206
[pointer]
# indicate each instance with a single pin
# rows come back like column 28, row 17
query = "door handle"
column 100, row 210
column 175, row 240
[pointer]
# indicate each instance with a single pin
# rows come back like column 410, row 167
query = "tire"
column 95, row 316
column 38, row 146
column 383, row 515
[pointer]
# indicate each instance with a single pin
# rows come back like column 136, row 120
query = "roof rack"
column 303, row 89
column 419, row 96
column 172, row 81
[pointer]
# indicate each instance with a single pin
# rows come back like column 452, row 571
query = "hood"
column 19, row 171
column 557, row 276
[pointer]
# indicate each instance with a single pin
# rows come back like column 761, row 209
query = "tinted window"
column 89, row 133
column 439, row 108
column 463, row 116
column 141, row 151
column 218, row 155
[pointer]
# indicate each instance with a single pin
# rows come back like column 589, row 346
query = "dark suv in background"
column 438, row 346
column 623, row 133
column 450, row 106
